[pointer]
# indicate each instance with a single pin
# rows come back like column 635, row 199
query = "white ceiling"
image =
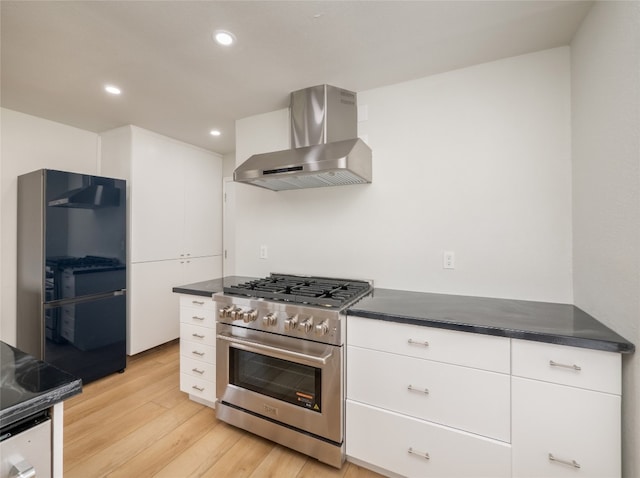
column 56, row 56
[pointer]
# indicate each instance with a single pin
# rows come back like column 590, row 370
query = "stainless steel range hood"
column 325, row 150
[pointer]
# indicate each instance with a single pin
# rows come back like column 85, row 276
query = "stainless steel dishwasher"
column 25, row 448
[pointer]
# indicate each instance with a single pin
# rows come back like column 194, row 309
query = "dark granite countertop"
column 29, row 386
column 209, row 287
column 562, row 324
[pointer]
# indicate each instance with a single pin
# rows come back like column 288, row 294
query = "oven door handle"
column 284, row 354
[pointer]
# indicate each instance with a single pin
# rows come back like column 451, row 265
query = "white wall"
column 475, row 161
column 228, row 165
column 606, row 182
column 30, row 143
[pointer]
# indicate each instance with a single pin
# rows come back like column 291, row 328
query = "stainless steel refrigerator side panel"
column 30, row 277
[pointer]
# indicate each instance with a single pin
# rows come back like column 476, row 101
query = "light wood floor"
column 139, row 424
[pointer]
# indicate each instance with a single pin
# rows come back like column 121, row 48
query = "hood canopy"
column 325, row 148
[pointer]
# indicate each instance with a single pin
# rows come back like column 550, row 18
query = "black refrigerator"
column 71, row 274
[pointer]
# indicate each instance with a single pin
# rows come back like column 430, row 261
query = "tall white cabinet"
column 175, row 225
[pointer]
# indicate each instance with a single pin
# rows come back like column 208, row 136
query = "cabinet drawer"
column 460, row 348
column 571, row 424
column 197, row 302
column 198, row 351
column 197, row 334
column 578, row 367
column 201, row 317
column 198, row 369
column 460, row 397
column 451, row 453
column 203, row 389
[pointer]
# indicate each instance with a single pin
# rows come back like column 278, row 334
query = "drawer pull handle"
column 197, row 370
column 573, row 463
column 556, row 364
column 411, row 388
column 200, row 336
column 197, row 353
column 199, row 389
column 197, row 318
column 421, row 454
column 197, row 302
column 418, row 342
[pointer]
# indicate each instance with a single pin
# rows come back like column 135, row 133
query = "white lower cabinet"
column 528, row 409
column 561, row 431
column 417, row 448
column 566, row 407
column 467, row 399
column 153, row 318
column 416, row 409
column 198, row 348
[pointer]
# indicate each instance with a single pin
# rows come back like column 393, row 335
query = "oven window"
column 283, row 380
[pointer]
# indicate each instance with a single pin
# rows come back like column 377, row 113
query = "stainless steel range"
column 280, row 360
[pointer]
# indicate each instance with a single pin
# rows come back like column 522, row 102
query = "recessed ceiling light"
column 223, row 37
column 215, row 132
column 114, row 90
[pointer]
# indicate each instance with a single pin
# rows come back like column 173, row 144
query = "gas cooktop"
column 315, row 291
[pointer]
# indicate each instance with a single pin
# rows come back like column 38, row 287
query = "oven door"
column 293, row 381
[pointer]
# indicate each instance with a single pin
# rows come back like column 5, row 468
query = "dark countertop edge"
column 41, row 402
column 183, row 290
column 209, row 287
column 551, row 338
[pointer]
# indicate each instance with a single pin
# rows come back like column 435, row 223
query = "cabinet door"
column 200, row 269
column 458, row 348
column 157, row 198
column 401, row 444
column 561, row 431
column 153, row 307
column 203, row 204
column 461, row 397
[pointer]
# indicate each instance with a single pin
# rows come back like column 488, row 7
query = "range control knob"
column 225, row 311
column 307, row 324
column 291, row 323
column 250, row 316
column 322, row 328
column 235, row 313
column 270, row 319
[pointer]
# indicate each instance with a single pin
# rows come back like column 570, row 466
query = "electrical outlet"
column 263, row 252
column 448, row 260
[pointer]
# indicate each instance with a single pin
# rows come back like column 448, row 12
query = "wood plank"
column 315, row 469
column 241, row 459
column 136, row 390
column 114, row 405
column 155, row 457
column 96, row 438
column 202, row 455
column 121, row 451
column 280, row 462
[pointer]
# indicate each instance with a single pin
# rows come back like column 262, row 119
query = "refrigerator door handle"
column 85, row 298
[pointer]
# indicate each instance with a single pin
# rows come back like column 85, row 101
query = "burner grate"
column 302, row 290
